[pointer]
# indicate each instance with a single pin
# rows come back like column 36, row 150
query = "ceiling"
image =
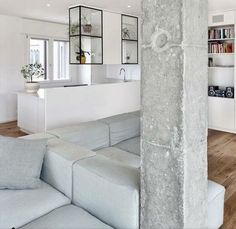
column 58, row 9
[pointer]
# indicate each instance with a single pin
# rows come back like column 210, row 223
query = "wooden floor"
column 10, row 129
column 222, row 169
column 221, row 165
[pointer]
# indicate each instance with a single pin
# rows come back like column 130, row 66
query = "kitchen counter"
column 61, row 106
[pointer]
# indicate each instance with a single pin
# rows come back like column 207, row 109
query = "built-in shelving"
column 129, row 39
column 221, row 61
column 86, row 35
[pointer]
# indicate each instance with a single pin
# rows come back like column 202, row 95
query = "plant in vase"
column 30, row 72
column 81, row 56
column 125, row 33
column 87, row 27
column 74, row 29
column 127, row 59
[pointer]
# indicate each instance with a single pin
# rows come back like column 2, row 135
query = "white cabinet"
column 221, row 113
column 63, row 106
column 111, row 38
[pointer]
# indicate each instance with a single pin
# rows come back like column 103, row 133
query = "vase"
column 87, row 28
column 32, row 87
column 83, row 60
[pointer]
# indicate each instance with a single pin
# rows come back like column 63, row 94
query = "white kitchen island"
column 58, row 107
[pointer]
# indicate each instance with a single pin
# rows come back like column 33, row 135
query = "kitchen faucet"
column 122, row 69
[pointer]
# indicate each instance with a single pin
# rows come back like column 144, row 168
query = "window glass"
column 39, row 54
column 61, row 60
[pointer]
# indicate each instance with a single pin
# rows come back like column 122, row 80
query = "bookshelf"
column 221, row 73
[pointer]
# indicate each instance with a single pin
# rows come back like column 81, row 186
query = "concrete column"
column 174, row 104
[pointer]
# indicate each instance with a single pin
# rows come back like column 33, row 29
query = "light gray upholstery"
column 137, row 113
column 18, row 207
column 108, row 190
column 58, row 162
column 122, row 127
column 38, row 136
column 67, row 217
column 131, row 145
column 92, row 135
column 21, row 162
column 120, row 156
column 216, row 195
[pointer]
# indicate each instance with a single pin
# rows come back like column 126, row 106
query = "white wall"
column 100, row 73
column 11, row 60
column 13, row 55
column 133, row 72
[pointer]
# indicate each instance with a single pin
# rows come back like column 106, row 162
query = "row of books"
column 220, row 33
column 220, row 47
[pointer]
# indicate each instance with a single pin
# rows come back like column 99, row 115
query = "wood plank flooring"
column 10, row 129
column 221, row 165
column 222, row 169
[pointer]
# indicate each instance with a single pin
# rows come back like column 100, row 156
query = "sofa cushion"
column 108, row 190
column 122, row 127
column 131, row 145
column 67, row 217
column 137, row 113
column 18, row 207
column 58, row 164
column 21, row 162
column 91, row 135
column 216, row 195
column 38, row 136
column 120, row 156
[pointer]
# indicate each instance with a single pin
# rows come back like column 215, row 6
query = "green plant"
column 74, row 28
column 31, row 71
column 84, row 20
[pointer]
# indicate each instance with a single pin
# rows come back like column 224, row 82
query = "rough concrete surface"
column 174, row 107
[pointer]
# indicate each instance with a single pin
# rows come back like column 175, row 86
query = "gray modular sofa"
column 90, row 179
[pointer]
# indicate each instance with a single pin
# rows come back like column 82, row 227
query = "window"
column 60, row 60
column 39, row 54
column 53, row 55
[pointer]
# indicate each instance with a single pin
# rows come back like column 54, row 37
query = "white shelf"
column 221, row 39
column 221, row 67
column 228, row 53
column 222, row 110
column 222, row 98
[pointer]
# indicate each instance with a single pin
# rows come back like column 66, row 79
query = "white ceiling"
column 218, row 5
column 58, row 11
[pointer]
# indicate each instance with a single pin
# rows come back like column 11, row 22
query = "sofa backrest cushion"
column 91, row 135
column 122, row 127
column 21, row 163
column 108, row 190
column 58, row 164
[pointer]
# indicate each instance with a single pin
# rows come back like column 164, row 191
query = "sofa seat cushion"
column 67, row 217
column 120, row 156
column 108, row 190
column 91, row 135
column 18, row 207
column 216, row 193
column 122, row 127
column 131, row 145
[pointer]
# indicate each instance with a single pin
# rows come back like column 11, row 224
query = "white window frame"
column 50, row 76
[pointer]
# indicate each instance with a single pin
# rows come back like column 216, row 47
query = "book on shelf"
column 220, row 47
column 221, row 33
